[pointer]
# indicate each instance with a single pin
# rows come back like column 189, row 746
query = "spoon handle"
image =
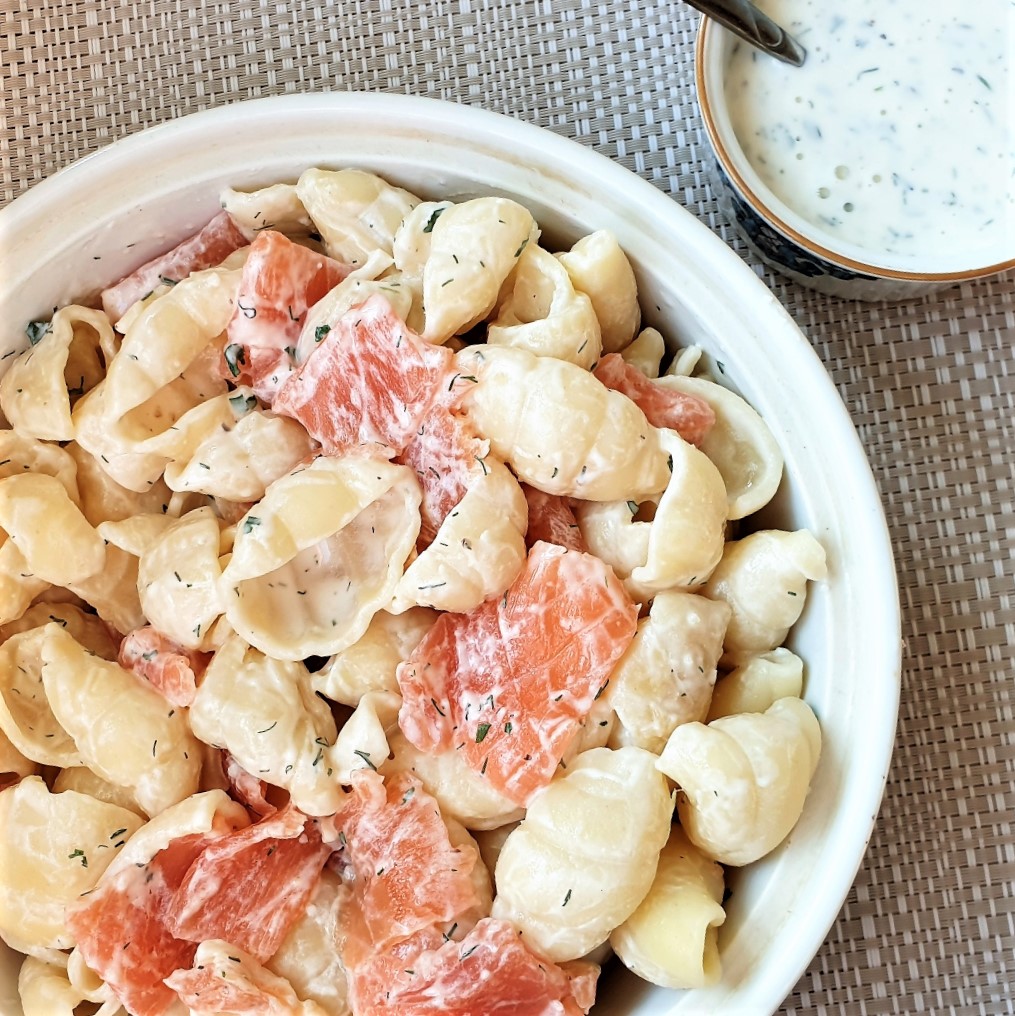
column 744, row 19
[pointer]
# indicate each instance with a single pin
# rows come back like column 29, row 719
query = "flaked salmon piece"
column 122, row 934
column 247, row 886
column 371, row 380
column 167, row 666
column 692, row 418
column 446, row 456
column 508, row 684
column 404, row 873
column 279, row 283
column 552, row 520
column 245, row 788
column 205, row 249
column 490, row 972
column 378, row 975
column 250, row 886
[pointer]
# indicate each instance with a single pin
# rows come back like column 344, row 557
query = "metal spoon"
column 744, row 19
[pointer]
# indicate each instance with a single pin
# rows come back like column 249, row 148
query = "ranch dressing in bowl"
column 894, row 144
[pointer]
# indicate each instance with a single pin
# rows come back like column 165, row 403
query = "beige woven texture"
column 929, row 925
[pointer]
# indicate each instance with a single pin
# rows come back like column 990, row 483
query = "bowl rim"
column 710, row 30
column 570, row 158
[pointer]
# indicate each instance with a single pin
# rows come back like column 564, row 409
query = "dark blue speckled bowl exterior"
column 804, row 266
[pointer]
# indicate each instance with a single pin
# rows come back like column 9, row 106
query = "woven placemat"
column 929, row 924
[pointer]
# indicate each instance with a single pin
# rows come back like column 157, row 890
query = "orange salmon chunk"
column 169, row 668
column 509, row 683
column 552, row 520
column 370, row 380
column 250, row 886
column 692, row 418
column 205, row 249
column 446, row 456
column 489, row 971
column 406, row 877
column 279, row 282
column 122, row 931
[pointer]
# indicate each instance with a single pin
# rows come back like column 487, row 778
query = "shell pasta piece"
column 666, row 676
column 543, row 314
column 37, row 392
column 646, row 352
column 308, row 957
column 26, row 717
column 112, row 591
column 265, row 714
column 54, row 848
column 743, row 779
column 164, row 369
column 105, row 500
column 682, row 542
column 559, row 428
column 599, row 268
column 319, row 555
column 45, row 989
column 369, row 664
column 477, row 552
column 473, row 248
column 585, row 854
column 178, row 580
column 13, row 765
column 122, row 728
column 274, row 207
column 238, row 459
column 462, row 793
column 32, row 507
column 755, row 685
column 195, row 311
column 739, row 443
column 671, row 939
column 362, row 743
column 763, row 578
column 226, row 980
column 356, row 213
column 84, row 781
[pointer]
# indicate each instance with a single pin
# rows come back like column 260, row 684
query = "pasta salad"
column 366, row 573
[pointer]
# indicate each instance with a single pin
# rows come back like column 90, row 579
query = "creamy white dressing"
column 897, row 134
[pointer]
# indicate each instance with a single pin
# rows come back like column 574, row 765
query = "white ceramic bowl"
column 69, row 235
column 792, row 245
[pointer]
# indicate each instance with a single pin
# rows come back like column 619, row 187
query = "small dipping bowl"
column 884, row 168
